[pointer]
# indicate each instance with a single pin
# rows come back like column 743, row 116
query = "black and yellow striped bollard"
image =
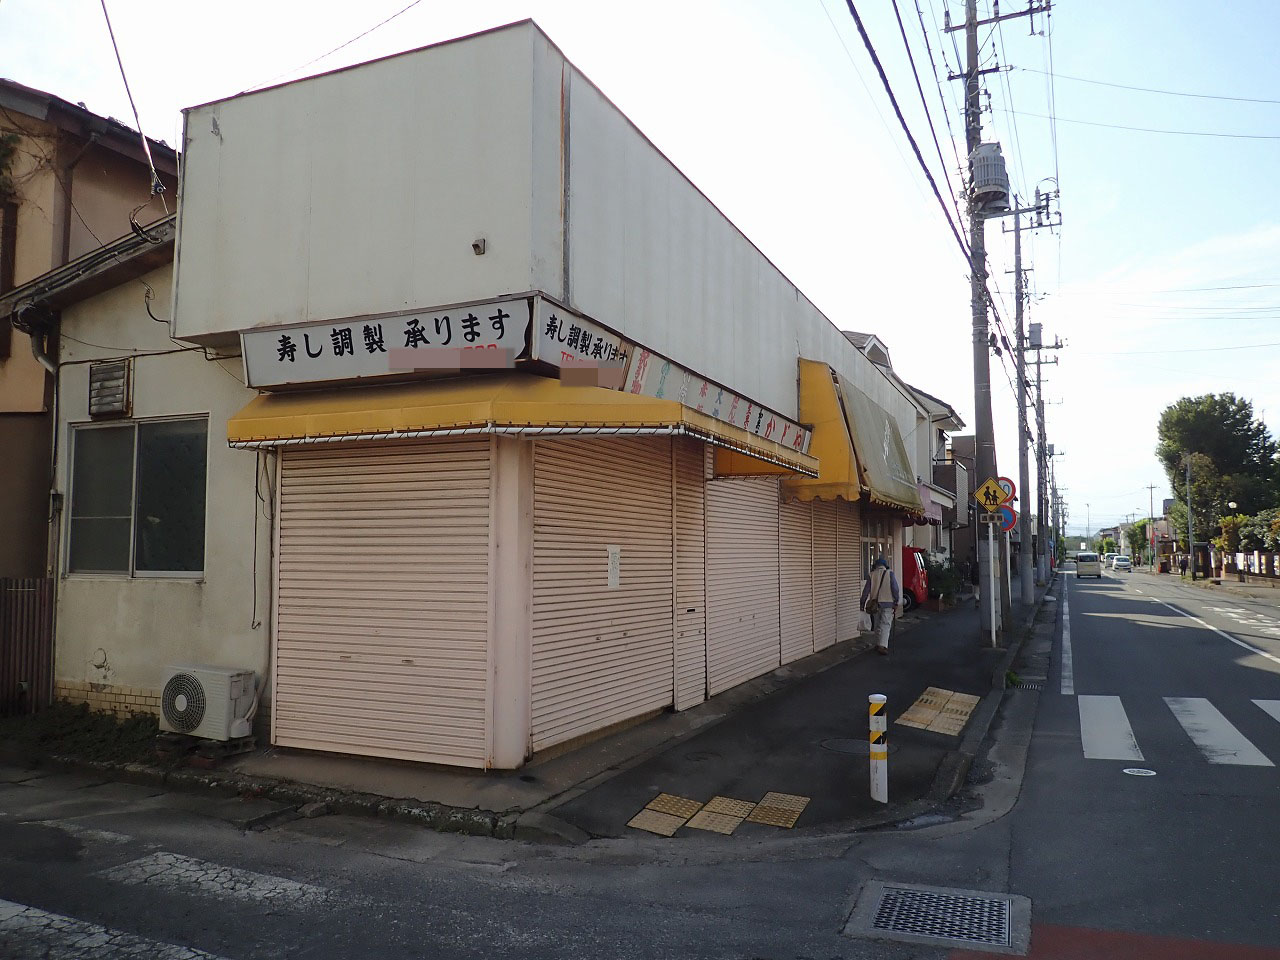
column 879, row 748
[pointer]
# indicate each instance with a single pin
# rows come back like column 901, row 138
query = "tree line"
column 1234, row 467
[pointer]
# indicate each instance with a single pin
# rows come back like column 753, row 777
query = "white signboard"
column 615, row 565
column 477, row 336
column 652, row 375
column 567, row 339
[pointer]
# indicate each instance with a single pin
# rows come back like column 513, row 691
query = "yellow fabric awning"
column 831, row 444
column 512, row 404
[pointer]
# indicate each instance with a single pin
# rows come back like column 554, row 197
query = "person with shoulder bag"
column 880, row 598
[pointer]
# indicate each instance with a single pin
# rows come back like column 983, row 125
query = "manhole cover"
column 1139, row 772
column 1000, row 923
column 858, row 748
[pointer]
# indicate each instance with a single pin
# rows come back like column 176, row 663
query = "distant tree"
column 1256, row 532
column 1228, row 541
column 1136, row 534
column 1108, row 545
column 1238, row 447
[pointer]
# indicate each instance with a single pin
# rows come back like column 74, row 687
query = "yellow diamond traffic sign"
column 990, row 495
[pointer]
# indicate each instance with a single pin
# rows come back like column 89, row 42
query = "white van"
column 1088, row 565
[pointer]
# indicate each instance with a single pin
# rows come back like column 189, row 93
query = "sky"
column 1163, row 280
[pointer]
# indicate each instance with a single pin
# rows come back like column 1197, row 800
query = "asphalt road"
column 1179, row 864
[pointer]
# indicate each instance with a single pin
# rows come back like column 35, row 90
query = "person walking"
column 880, row 598
column 1182, row 564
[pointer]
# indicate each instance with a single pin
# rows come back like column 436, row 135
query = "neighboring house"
column 163, row 549
column 949, row 484
column 68, row 180
column 535, row 442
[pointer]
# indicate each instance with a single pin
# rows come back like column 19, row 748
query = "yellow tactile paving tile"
column 729, row 806
column 663, row 824
column 676, row 806
column 788, row 801
column 778, row 810
column 774, row 816
column 940, row 711
column 706, row 819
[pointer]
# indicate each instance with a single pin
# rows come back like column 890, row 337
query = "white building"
column 534, row 441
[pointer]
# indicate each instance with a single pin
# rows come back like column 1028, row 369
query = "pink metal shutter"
column 601, row 655
column 795, row 535
column 848, row 569
column 382, row 600
column 691, row 593
column 824, row 574
column 742, row 580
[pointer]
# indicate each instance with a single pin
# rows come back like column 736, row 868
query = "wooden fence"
column 26, row 644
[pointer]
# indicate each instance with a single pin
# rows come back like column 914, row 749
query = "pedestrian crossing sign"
column 990, row 495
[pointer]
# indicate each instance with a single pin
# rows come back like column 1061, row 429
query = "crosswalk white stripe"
column 1213, row 733
column 27, row 934
column 1270, row 706
column 1068, row 677
column 174, row 871
column 1104, row 729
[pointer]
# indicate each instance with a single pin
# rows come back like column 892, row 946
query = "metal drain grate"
column 999, row 923
column 972, row 919
column 1030, row 685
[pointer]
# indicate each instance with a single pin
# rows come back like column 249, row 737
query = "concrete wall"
column 361, row 191
column 121, row 632
column 106, row 187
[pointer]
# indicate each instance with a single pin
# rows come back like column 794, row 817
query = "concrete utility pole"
column 1191, row 534
column 1026, row 573
column 1151, row 526
column 984, row 432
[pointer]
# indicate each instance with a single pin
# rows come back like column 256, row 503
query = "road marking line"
column 1270, row 706
column 1213, row 733
column 28, row 932
column 1105, row 733
column 1240, row 643
column 1068, row 676
column 175, row 871
column 1138, row 589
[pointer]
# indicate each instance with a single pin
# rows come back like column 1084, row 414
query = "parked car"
column 1107, row 558
column 1088, row 565
column 1122, row 563
column 915, row 578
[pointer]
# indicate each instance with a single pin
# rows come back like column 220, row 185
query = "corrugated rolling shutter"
column 848, row 569
column 795, row 535
column 742, row 580
column 824, row 574
column 383, row 600
column 600, row 655
column 691, row 593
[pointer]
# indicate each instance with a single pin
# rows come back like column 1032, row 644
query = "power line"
column 1085, row 292
column 875, row 105
column 1127, row 353
column 157, row 185
column 1170, row 93
column 330, row 53
column 875, row 58
column 1180, row 133
column 942, row 100
column 925, row 103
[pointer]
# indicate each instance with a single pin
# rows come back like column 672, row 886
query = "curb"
column 955, row 765
column 427, row 813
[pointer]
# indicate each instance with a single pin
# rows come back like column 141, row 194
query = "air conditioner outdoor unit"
column 205, row 701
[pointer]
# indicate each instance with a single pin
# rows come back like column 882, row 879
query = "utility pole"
column 1151, row 526
column 1026, row 573
column 983, row 430
column 1191, row 533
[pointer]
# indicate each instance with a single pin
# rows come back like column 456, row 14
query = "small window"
column 138, row 498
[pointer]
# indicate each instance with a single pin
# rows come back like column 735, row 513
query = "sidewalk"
column 1227, row 585
column 800, row 730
